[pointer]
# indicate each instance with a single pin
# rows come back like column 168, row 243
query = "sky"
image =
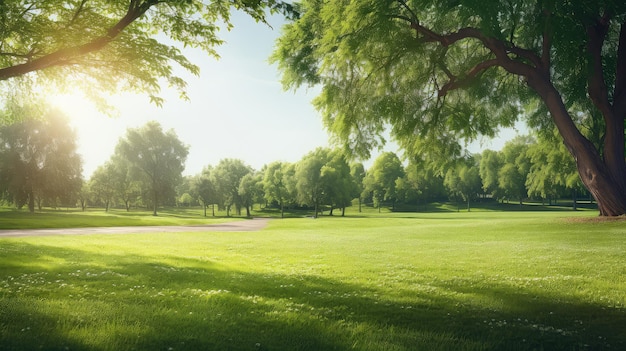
column 237, row 109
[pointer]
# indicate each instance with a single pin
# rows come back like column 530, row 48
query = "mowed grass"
column 436, row 281
column 71, row 218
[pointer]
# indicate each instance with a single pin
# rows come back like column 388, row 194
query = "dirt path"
column 237, row 226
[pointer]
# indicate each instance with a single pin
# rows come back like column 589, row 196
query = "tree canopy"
column 39, row 162
column 155, row 157
column 440, row 72
column 112, row 45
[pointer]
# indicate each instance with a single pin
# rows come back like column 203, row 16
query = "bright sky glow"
column 238, row 109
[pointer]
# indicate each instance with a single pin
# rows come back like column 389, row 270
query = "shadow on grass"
column 71, row 299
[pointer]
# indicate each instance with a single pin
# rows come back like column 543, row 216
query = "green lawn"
column 21, row 219
column 482, row 280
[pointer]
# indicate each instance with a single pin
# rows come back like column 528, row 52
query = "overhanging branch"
column 135, row 10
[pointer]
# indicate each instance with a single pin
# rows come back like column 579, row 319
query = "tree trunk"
column 343, row 212
column 282, row 210
column 213, row 209
column 31, row 202
column 205, row 206
column 248, row 211
column 605, row 181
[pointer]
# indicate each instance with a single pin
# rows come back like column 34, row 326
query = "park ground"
column 536, row 278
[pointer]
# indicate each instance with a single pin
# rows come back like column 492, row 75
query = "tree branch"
column 136, row 9
column 597, row 88
column 77, row 13
column 546, row 43
column 476, row 71
column 619, row 93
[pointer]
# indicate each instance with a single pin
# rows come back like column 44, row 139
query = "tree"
column 381, row 178
column 464, row 180
column 157, row 159
column 309, row 181
column 357, row 172
column 226, row 177
column 338, row 186
column 203, row 186
column 515, row 168
column 250, row 190
column 439, row 72
column 102, row 185
column 490, row 165
column 552, row 171
column 126, row 188
column 39, row 162
column 105, row 43
column 275, row 184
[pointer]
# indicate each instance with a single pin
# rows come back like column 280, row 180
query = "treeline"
column 39, row 166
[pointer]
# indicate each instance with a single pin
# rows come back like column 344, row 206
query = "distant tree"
column 203, row 186
column 39, row 161
column 552, row 171
column 464, row 180
column 127, row 189
column 515, row 168
column 157, row 159
column 226, row 177
column 275, row 184
column 102, row 185
column 424, row 181
column 490, row 164
column 381, row 178
column 83, row 196
column 337, row 183
column 250, row 190
column 185, row 199
column 357, row 172
column 309, row 181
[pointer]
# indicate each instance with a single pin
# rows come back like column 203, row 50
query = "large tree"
column 108, row 45
column 39, row 162
column 156, row 158
column 442, row 71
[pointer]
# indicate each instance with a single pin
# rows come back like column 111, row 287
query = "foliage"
column 440, row 73
column 156, row 160
column 226, row 177
column 275, row 184
column 381, row 179
column 39, row 162
column 108, row 46
column 308, row 177
column 464, row 180
column 205, row 190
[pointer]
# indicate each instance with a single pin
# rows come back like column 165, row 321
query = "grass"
column 482, row 280
column 70, row 218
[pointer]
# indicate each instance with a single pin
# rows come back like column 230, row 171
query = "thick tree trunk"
column 597, row 176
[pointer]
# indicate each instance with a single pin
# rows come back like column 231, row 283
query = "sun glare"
column 97, row 133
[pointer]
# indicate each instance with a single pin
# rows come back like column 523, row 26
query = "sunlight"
column 97, row 132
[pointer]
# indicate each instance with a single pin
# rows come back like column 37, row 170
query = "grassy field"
column 70, row 218
column 483, row 280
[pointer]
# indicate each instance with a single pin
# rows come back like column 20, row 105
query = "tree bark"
column 595, row 174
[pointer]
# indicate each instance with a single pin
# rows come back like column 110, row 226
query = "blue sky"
column 238, row 109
